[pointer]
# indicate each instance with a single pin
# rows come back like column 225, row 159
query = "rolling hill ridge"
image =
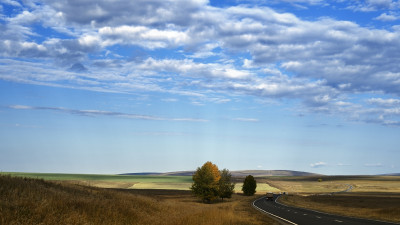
column 238, row 173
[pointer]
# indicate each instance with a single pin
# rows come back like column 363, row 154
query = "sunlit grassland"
column 328, row 184
column 35, row 201
column 301, row 185
column 307, row 186
column 101, row 177
column 262, row 188
column 133, row 181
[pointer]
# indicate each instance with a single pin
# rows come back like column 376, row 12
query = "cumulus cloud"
column 142, row 36
column 373, row 5
column 384, row 102
column 323, row 64
column 387, row 17
column 11, row 2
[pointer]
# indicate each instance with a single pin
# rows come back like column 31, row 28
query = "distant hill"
column 144, row 174
column 390, row 174
column 180, row 173
column 239, row 173
column 177, row 173
column 263, row 173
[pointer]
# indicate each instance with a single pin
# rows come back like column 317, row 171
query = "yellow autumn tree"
column 205, row 182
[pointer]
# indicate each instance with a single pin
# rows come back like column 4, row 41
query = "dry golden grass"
column 33, row 201
column 376, row 206
column 304, row 185
column 262, row 188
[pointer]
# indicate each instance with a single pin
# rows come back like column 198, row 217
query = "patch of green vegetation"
column 100, row 177
column 164, row 186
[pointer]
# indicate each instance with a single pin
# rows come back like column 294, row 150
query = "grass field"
column 311, row 185
column 115, row 181
column 100, row 177
column 36, row 201
column 299, row 185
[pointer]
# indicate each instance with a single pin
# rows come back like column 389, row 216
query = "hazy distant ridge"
column 260, row 173
column 390, row 174
column 239, row 173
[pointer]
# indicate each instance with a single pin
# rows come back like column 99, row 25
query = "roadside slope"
column 35, row 201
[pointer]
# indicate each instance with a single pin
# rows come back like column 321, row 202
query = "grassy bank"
column 36, row 201
column 377, row 206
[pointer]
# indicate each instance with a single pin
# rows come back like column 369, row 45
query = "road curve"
column 299, row 216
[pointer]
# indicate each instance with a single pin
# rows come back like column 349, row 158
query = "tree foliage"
column 249, row 185
column 209, row 183
column 206, row 182
column 226, row 186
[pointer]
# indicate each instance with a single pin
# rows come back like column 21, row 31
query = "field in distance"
column 310, row 184
column 115, row 181
column 328, row 184
column 166, row 181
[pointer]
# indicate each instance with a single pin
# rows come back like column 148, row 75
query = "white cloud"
column 387, row 17
column 323, row 63
column 373, row 165
column 384, row 102
column 318, row 164
column 246, row 119
column 169, row 99
column 343, row 164
column 11, row 2
column 103, row 113
column 373, row 5
column 143, row 36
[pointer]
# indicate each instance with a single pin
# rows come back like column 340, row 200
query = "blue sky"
column 133, row 86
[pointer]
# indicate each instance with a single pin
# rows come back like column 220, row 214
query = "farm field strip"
column 102, row 177
column 307, row 185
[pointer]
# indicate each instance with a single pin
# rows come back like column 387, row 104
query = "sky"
column 112, row 86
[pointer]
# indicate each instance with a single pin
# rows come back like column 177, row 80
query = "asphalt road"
column 298, row 216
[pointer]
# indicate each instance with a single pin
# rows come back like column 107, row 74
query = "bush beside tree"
column 226, row 187
column 249, row 186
